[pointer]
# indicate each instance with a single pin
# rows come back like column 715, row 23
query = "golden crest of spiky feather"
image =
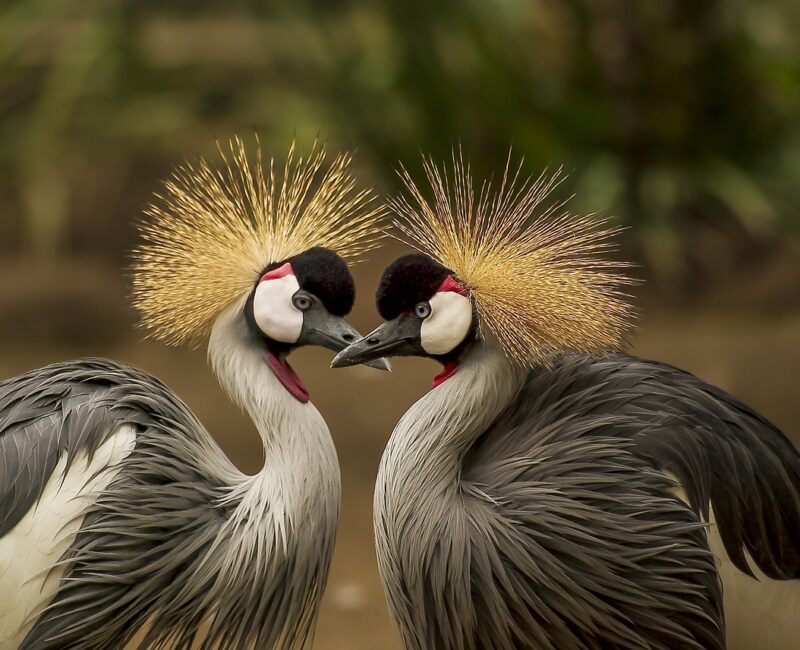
column 215, row 229
column 535, row 273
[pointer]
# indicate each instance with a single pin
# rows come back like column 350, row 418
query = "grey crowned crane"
column 550, row 492
column 118, row 511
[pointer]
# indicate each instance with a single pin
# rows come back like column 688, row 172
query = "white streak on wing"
column 40, row 538
column 760, row 614
column 678, row 490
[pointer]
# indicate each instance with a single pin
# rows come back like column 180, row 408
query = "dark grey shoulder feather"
column 590, row 547
column 68, row 407
column 724, row 454
column 155, row 515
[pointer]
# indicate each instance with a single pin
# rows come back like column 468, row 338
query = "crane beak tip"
column 381, row 363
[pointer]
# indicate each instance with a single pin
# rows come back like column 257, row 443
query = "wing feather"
column 153, row 522
column 724, row 454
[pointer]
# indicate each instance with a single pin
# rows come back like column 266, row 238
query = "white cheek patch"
column 448, row 324
column 274, row 312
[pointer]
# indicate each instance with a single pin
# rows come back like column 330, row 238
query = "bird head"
column 428, row 313
column 261, row 250
column 499, row 265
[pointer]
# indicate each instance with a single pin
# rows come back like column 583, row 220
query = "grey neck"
column 283, row 519
column 419, row 489
column 429, row 442
column 294, row 436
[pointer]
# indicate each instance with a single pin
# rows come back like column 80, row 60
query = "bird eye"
column 423, row 309
column 302, row 302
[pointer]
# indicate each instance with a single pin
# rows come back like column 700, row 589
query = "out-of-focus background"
column 679, row 118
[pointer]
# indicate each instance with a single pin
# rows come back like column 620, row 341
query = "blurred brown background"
column 680, row 118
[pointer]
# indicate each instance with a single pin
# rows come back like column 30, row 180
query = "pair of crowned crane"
column 548, row 492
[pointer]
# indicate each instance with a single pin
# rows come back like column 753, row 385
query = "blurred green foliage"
column 677, row 116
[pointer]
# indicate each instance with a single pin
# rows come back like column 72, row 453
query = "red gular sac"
column 450, row 368
column 277, row 363
column 288, row 377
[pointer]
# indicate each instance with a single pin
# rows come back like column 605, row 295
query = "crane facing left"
column 119, row 513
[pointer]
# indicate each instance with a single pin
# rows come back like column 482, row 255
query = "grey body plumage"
column 548, row 492
column 156, row 547
column 119, row 514
column 537, row 520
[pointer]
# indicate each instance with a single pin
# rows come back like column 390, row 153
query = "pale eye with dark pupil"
column 422, row 310
column 302, row 302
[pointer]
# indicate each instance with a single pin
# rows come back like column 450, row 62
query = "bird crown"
column 214, row 230
column 534, row 271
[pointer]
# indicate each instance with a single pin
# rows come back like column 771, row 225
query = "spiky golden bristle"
column 214, row 230
column 534, row 272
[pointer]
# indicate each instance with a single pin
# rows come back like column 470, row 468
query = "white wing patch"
column 29, row 550
column 448, row 324
column 274, row 312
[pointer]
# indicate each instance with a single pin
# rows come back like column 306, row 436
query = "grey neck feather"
column 430, row 440
column 418, row 487
column 184, row 544
column 300, row 462
column 289, row 510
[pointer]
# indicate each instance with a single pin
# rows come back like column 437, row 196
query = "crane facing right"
column 550, row 491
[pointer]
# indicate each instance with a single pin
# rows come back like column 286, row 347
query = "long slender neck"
column 418, row 489
column 433, row 436
column 424, row 456
column 299, row 455
column 279, row 534
column 241, row 367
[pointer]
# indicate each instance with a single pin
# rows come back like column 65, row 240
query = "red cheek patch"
column 280, row 272
column 450, row 284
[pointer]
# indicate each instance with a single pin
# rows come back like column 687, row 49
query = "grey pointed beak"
column 334, row 333
column 398, row 337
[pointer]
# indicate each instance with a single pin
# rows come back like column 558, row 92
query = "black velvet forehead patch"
column 408, row 280
column 322, row 272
